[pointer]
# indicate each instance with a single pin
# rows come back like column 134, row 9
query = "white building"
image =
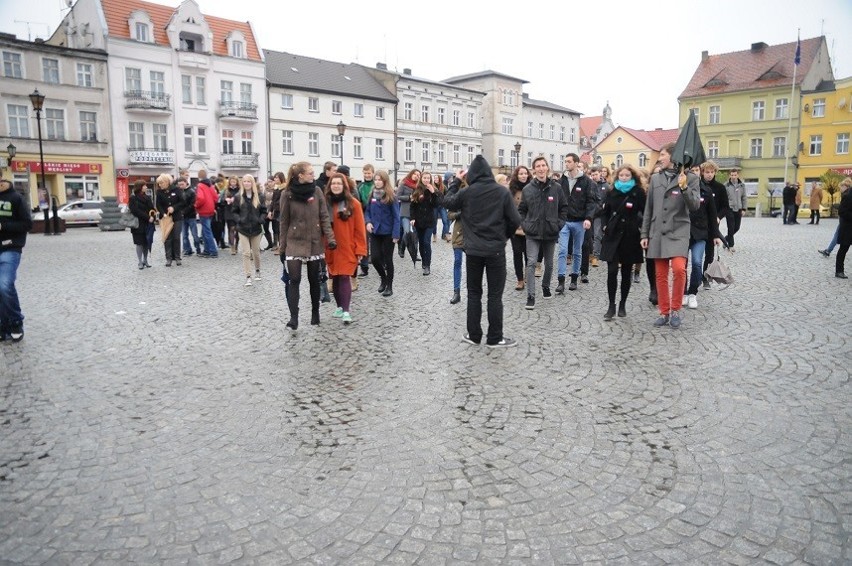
column 312, row 100
column 187, row 89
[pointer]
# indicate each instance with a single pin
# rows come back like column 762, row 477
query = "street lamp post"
column 517, row 154
column 12, row 151
column 341, row 129
column 37, row 100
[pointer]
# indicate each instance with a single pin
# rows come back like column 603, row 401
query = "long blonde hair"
column 255, row 198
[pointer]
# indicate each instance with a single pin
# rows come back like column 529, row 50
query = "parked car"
column 80, row 212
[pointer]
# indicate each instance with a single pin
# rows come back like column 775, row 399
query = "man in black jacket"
column 190, row 222
column 583, row 202
column 488, row 217
column 15, row 222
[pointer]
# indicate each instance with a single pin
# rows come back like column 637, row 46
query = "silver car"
column 80, row 212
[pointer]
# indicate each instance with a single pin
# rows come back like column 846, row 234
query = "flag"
column 798, row 50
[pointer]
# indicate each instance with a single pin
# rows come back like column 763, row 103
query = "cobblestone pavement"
column 167, row 416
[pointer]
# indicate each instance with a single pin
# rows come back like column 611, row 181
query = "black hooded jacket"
column 488, row 212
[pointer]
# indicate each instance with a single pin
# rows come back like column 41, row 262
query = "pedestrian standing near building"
column 403, row 195
column 788, row 196
column 543, row 211
column 621, row 218
column 581, row 195
column 265, row 205
column 737, row 205
column 280, row 183
column 815, row 202
column 248, row 211
column 170, row 202
column 424, row 201
column 382, row 219
column 844, row 228
column 304, row 223
column 142, row 207
column 206, row 198
column 15, row 222
column 226, row 200
column 488, row 217
column 665, row 233
column 190, row 217
column 520, row 178
column 350, row 237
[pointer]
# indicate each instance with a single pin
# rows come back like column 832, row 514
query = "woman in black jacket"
column 170, row 202
column 424, row 201
column 248, row 214
column 142, row 207
column 621, row 218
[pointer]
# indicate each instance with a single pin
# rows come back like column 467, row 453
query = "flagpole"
column 790, row 106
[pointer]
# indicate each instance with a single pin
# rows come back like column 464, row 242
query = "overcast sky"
column 639, row 56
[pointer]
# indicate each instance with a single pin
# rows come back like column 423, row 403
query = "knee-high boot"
column 292, row 293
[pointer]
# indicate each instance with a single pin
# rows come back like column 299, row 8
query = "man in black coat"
column 488, row 217
column 581, row 193
column 709, row 185
column 789, row 197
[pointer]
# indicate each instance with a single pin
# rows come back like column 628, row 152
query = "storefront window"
column 21, row 183
column 84, row 187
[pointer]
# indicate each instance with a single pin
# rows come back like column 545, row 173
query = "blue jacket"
column 384, row 217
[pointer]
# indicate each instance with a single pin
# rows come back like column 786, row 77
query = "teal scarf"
column 625, row 186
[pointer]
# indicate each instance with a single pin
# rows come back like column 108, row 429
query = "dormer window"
column 236, row 42
column 142, row 32
column 191, row 42
column 237, row 50
column 141, row 27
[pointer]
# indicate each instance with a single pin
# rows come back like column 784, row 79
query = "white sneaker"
column 684, row 301
column 692, row 302
column 257, row 275
column 248, row 281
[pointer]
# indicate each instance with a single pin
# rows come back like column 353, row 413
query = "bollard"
column 757, row 210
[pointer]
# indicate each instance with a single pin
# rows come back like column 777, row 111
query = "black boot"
column 383, row 286
column 610, row 312
column 456, row 297
column 292, row 293
column 315, row 314
column 401, row 249
column 573, row 285
column 652, row 296
column 388, row 289
column 622, row 311
column 560, row 288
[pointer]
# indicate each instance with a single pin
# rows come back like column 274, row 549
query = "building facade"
column 640, row 148
column 74, row 122
column 187, row 89
column 550, row 130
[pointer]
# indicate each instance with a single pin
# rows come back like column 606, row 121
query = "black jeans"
column 172, row 243
column 841, row 258
column 382, row 255
column 733, row 218
column 519, row 256
column 494, row 267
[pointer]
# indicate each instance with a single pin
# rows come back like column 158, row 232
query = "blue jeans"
column 696, row 258
column 11, row 317
column 833, row 239
column 577, row 232
column 207, row 235
column 190, row 226
column 441, row 213
column 458, row 256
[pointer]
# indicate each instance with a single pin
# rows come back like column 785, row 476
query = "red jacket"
column 205, row 199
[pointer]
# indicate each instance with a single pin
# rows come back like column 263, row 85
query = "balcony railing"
column 145, row 100
column 237, row 110
column 240, row 160
column 728, row 162
column 151, row 156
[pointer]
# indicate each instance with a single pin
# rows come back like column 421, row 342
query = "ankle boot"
column 383, row 286
column 388, row 289
column 315, row 315
column 622, row 310
column 560, row 288
column 610, row 312
column 456, row 297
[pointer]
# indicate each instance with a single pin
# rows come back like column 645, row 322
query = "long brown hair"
column 421, row 190
column 348, row 202
column 295, row 170
column 389, row 194
column 515, row 184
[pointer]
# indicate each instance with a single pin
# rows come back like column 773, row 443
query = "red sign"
column 57, row 167
column 122, row 188
column 847, row 172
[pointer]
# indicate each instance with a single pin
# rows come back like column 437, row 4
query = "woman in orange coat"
column 347, row 222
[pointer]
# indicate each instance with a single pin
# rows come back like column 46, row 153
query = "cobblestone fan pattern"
column 168, row 416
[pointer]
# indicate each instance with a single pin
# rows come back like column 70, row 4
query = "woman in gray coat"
column 665, row 232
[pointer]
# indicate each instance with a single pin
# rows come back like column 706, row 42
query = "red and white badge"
column 374, row 200
column 549, row 199
column 701, row 199
column 675, row 193
column 628, row 205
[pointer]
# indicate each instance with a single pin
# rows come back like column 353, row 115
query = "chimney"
column 705, row 55
column 759, row 46
column 382, row 66
column 406, row 72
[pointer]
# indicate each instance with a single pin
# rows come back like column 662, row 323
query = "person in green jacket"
column 365, row 192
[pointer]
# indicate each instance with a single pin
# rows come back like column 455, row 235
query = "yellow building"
column 748, row 104
column 640, row 148
column 826, row 125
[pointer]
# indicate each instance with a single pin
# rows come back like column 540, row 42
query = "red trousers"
column 668, row 301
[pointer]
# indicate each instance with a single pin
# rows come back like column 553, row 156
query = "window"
column 408, row 152
column 336, row 141
column 713, row 149
column 226, row 90
column 237, row 49
column 529, row 129
column 313, row 103
column 202, row 139
column 756, row 146
column 200, row 91
column 186, row 88
column 132, row 80
column 408, row 111
column 442, row 115
column 228, row 141
column 816, row 145
column 357, row 143
column 456, row 155
column 782, row 109
column 247, row 142
column 819, row 108
column 380, row 149
column 50, row 71
column 541, row 131
column 471, row 121
column 313, row 144
column 758, row 110
column 161, row 137
column 287, row 142
column 562, row 133
column 84, row 75
column 619, row 160
column 245, row 93
column 142, row 32
column 425, row 158
column 336, row 107
column 136, row 131
column 501, row 157
column 842, row 144
column 358, row 111
column 55, row 119
column 19, row 124
column 187, row 139
column 470, row 154
column 12, row 65
column 88, row 126
column 507, row 126
column 552, row 131
column 442, row 153
column 380, row 112
column 643, row 160
column 779, row 146
column 456, row 117
column 715, row 114
column 424, row 113
column 158, row 84
column 573, row 135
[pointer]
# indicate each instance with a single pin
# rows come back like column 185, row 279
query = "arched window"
column 619, row 160
column 643, row 160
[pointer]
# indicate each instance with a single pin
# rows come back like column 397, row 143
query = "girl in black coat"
column 621, row 217
column 142, row 207
column 424, row 202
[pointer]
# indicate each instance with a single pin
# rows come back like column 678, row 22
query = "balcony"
column 240, row 161
column 147, row 101
column 232, row 110
column 728, row 162
column 151, row 156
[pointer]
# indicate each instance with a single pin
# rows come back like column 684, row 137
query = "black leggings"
column 382, row 255
column 612, row 280
column 294, row 269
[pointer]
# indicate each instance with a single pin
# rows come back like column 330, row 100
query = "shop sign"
column 57, row 167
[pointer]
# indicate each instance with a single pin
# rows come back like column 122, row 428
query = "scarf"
column 625, row 186
column 339, row 202
column 302, row 192
column 378, row 194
